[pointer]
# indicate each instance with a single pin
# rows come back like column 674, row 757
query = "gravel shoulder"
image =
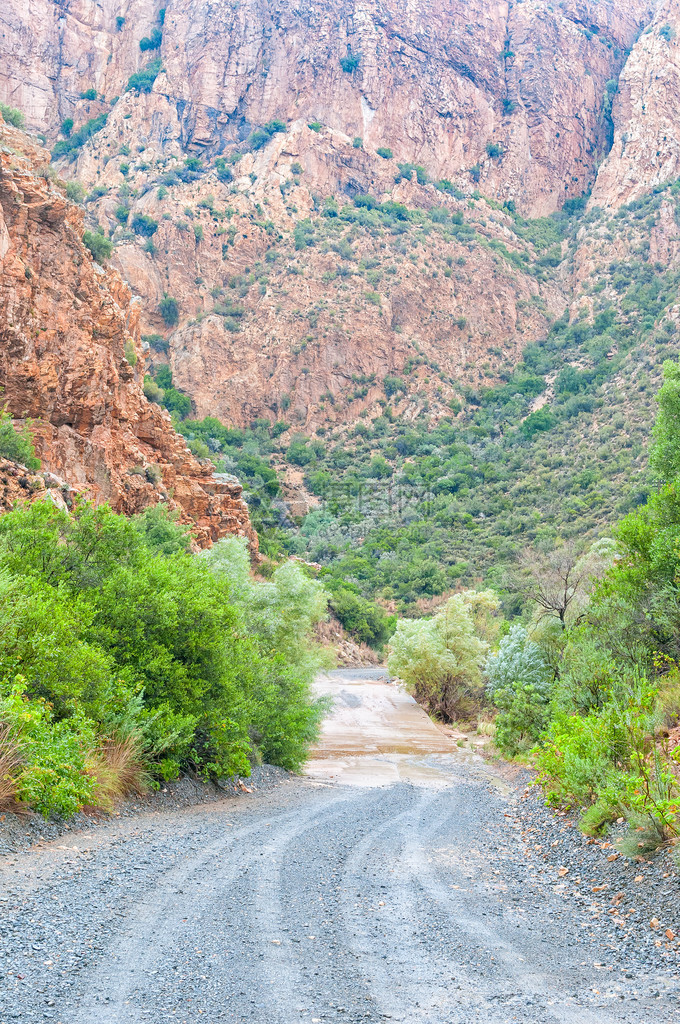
column 328, row 898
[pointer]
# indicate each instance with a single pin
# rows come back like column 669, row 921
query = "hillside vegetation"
column 587, row 680
column 125, row 658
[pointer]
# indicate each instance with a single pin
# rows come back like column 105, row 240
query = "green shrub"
column 100, row 246
column 144, row 225
column 522, row 718
column 17, row 445
column 224, row 172
column 52, row 776
column 156, row 341
column 151, row 42
column 169, row 310
column 358, row 143
column 536, row 422
column 299, row 453
column 152, row 391
column 71, row 146
column 12, row 116
column 350, row 63
column 385, row 152
column 67, row 126
column 315, row 126
column 120, row 21
column 75, row 191
column 440, row 659
column 494, row 150
column 89, row 94
column 142, row 81
column 366, row 622
column 121, row 630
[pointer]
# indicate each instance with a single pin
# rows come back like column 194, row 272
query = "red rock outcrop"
column 71, row 362
column 646, row 149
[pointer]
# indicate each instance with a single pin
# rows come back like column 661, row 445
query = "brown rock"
column 65, row 323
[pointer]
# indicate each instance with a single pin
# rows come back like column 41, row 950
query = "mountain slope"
column 71, row 361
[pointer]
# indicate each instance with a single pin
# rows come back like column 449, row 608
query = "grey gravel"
column 312, row 903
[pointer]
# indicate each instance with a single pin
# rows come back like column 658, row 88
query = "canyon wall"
column 437, row 81
column 71, row 362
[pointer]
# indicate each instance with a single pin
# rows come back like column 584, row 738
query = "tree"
column 561, row 580
column 440, row 659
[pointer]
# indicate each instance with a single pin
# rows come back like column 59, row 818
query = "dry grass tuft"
column 119, row 768
column 10, row 764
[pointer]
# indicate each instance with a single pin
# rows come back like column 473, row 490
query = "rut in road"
column 322, row 901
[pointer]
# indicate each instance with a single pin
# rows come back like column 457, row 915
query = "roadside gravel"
column 327, row 903
column 21, row 831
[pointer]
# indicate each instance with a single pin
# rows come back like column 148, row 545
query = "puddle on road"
column 376, row 735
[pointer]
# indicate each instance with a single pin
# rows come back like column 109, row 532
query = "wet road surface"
column 387, row 885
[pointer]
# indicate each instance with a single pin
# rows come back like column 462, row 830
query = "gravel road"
column 400, row 895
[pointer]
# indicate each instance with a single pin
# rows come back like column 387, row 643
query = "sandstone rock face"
column 646, row 149
column 516, row 101
column 437, row 81
column 71, row 362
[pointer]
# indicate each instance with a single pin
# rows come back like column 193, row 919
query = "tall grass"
column 10, row 765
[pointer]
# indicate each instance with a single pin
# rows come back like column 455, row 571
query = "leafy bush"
column 151, row 42
column 67, row 126
column 12, row 116
column 100, row 246
column 494, row 150
column 440, row 659
column 142, row 81
column 363, row 620
column 17, row 445
column 142, row 224
column 350, row 63
column 223, row 171
column 315, row 126
column 261, row 136
column 89, row 94
column 169, row 310
column 52, row 771
column 518, row 661
column 75, row 191
column 407, row 170
column 134, row 650
column 385, row 152
column 152, row 391
column 71, row 146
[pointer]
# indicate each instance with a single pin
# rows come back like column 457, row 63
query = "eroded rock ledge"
column 71, row 361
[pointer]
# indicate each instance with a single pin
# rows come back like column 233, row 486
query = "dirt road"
column 389, row 884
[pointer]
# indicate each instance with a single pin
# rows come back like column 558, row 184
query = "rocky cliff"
column 376, row 228
column 437, row 81
column 71, row 361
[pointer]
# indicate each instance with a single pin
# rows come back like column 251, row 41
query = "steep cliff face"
column 437, row 81
column 71, row 361
column 294, row 302
column 646, row 149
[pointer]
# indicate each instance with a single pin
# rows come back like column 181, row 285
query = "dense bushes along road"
column 588, row 678
column 124, row 657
